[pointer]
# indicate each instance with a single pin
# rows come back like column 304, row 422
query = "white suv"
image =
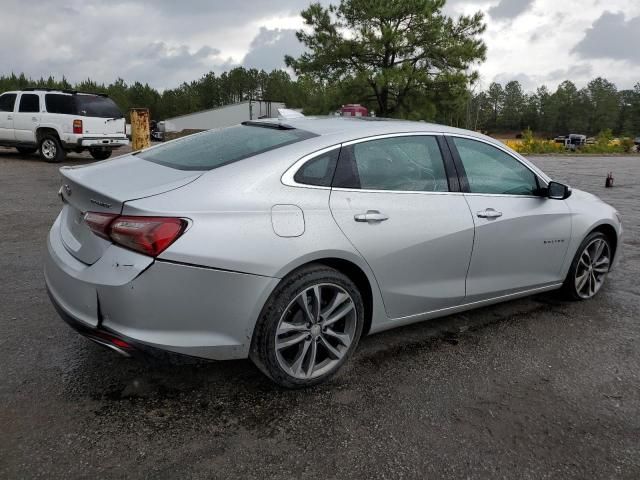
column 60, row 121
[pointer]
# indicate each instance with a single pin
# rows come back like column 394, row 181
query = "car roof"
column 357, row 127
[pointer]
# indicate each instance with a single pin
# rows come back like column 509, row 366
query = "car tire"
column 589, row 267
column 26, row 150
column 288, row 338
column 100, row 154
column 51, row 150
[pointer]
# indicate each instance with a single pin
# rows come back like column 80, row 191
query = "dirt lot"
column 535, row 388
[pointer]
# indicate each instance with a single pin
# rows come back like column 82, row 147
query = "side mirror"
column 558, row 191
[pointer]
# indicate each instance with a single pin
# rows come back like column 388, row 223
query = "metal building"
column 223, row 116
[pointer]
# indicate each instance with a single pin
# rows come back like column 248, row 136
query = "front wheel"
column 309, row 327
column 100, row 154
column 589, row 268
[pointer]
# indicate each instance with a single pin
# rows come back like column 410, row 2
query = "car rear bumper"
column 103, row 142
column 201, row 312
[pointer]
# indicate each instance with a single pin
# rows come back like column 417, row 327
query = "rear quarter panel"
column 231, row 226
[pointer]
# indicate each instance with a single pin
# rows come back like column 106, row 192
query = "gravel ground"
column 534, row 388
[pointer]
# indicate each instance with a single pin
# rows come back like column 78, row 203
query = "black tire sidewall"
column 60, row 153
column 569, row 286
column 263, row 352
column 100, row 154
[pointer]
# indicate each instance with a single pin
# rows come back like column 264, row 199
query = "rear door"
column 521, row 237
column 396, row 201
column 7, row 104
column 27, row 117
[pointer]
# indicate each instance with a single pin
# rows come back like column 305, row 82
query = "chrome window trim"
column 392, row 135
column 288, row 176
column 535, row 170
column 363, row 190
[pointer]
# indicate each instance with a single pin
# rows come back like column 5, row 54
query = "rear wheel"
column 100, row 154
column 309, row 327
column 50, row 149
column 26, row 150
column 589, row 268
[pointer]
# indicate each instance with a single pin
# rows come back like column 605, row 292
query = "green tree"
column 604, row 107
column 397, row 49
column 513, row 106
column 495, row 96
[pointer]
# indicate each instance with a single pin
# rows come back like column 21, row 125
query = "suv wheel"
column 309, row 327
column 99, row 154
column 26, row 150
column 589, row 267
column 50, row 149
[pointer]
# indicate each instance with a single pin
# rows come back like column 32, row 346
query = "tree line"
column 595, row 108
column 209, row 91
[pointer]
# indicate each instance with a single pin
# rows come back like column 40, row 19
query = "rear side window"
column 319, row 170
column 406, row 163
column 7, row 102
column 29, row 102
column 57, row 103
column 214, row 148
column 96, row 106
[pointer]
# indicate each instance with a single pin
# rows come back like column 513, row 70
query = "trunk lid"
column 105, row 187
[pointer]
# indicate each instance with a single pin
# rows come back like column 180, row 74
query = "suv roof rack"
column 63, row 90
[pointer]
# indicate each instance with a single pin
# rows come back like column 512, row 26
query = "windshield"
column 214, row 148
column 96, row 106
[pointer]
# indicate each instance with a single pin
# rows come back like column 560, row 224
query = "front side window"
column 406, row 163
column 215, row 148
column 490, row 170
column 7, row 102
column 29, row 103
column 319, row 170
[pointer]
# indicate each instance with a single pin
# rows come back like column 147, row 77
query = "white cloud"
column 167, row 42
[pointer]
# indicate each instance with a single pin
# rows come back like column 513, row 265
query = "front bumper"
column 201, row 312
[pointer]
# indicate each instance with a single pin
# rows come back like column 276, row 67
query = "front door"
column 7, row 103
column 27, row 118
column 521, row 238
column 391, row 198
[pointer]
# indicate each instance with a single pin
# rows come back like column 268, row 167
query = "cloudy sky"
column 165, row 42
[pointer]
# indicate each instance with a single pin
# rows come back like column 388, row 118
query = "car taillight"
column 99, row 223
column 77, row 126
column 148, row 235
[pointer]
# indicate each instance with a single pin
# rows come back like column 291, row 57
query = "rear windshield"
column 214, row 148
column 96, row 106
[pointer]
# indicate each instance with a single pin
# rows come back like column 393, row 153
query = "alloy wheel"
column 315, row 331
column 49, row 149
column 592, row 268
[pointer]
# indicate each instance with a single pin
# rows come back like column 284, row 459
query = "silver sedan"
column 286, row 241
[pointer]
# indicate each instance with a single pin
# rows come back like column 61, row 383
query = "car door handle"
column 9, row 117
column 372, row 216
column 489, row 213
